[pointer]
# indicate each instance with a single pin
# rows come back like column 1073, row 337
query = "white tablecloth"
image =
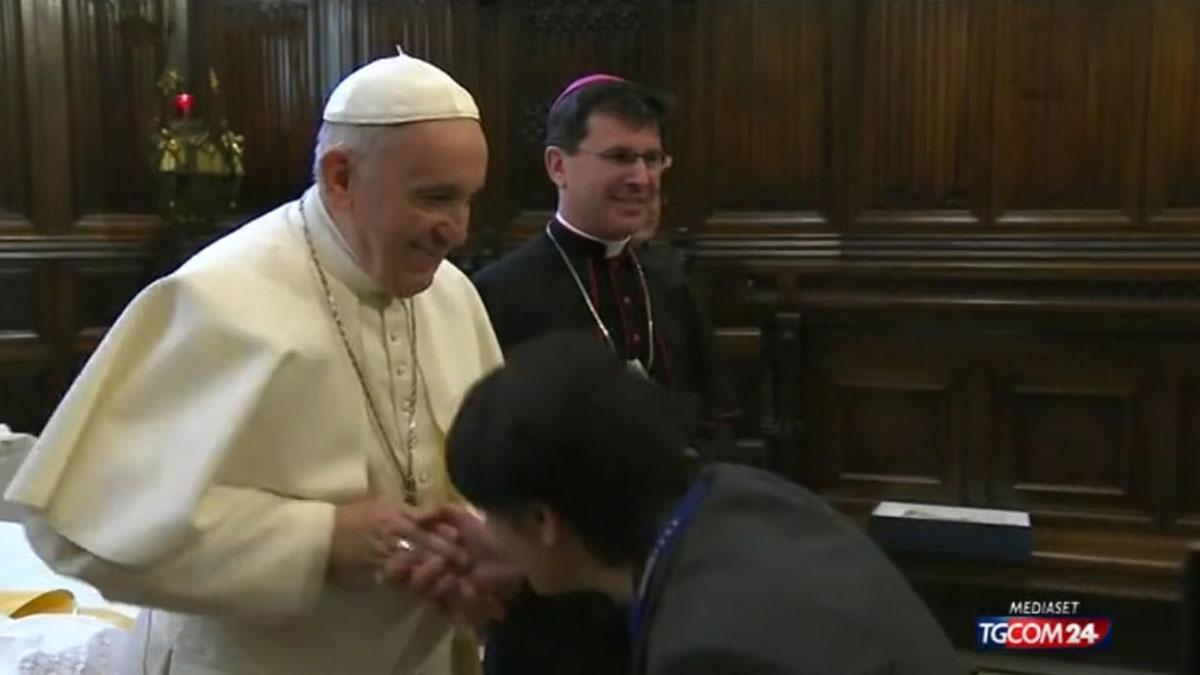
column 53, row 644
column 22, row 570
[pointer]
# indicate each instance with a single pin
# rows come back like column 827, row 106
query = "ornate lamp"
column 198, row 166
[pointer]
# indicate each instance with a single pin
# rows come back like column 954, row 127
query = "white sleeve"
column 253, row 553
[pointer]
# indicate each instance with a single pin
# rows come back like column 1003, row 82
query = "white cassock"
column 195, row 463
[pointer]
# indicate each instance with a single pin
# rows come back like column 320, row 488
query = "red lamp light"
column 184, row 103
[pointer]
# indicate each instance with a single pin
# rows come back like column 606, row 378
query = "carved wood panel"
column 774, row 165
column 1073, row 419
column 1173, row 162
column 880, row 425
column 19, row 300
column 101, row 290
column 1187, row 478
column 870, row 408
column 27, row 325
column 440, row 32
column 262, row 54
column 24, row 396
column 921, row 131
column 565, row 16
column 741, row 350
column 115, row 55
column 1068, row 137
column 1070, row 442
column 14, row 130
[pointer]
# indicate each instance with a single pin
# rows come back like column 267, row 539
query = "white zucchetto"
column 399, row 90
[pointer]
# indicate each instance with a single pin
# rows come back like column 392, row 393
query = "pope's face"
column 409, row 203
column 607, row 185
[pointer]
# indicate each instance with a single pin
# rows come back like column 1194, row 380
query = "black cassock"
column 530, row 292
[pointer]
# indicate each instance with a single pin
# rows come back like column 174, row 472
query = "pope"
column 260, row 431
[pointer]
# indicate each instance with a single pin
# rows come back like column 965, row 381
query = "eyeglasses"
column 656, row 160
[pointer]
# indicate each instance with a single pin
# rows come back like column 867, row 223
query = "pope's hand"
column 475, row 594
column 490, row 571
column 367, row 533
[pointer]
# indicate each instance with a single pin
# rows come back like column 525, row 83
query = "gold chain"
column 596, row 314
column 410, row 405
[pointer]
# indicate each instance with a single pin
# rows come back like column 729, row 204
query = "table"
column 23, row 570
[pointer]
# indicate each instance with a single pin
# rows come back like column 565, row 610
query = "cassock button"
column 637, row 338
column 423, row 478
column 626, row 299
column 399, row 371
column 394, row 336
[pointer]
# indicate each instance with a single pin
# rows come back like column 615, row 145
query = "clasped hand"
column 443, row 554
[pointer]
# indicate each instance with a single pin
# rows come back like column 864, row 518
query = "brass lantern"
column 198, row 166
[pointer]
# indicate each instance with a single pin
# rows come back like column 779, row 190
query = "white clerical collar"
column 612, row 249
column 334, row 252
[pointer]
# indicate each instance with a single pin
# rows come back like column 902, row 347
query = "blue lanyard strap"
column 663, row 543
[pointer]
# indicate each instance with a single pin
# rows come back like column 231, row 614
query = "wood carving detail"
column 568, row 16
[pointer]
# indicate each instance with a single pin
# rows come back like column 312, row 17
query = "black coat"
column 530, row 292
column 766, row 578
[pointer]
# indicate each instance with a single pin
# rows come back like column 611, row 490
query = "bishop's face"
column 409, row 204
column 610, row 186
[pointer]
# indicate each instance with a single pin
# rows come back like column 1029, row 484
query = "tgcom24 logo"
column 1041, row 625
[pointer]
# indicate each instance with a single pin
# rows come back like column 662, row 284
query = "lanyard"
column 663, row 543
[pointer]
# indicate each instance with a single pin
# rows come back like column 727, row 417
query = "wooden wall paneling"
column 48, row 115
column 1069, row 128
column 741, row 297
column 782, row 418
column 978, row 444
column 95, row 291
column 59, row 300
column 896, row 429
column 888, row 420
column 261, row 53
column 14, row 130
column 843, row 129
column 100, row 291
column 686, row 53
column 1173, row 156
column 551, row 43
column 769, row 123
column 115, row 55
column 736, row 297
column 755, row 153
column 737, row 292
column 27, row 367
column 742, row 352
column 1160, row 410
column 1187, row 480
column 494, row 208
column 440, row 32
column 331, row 27
column 19, row 302
column 1071, row 438
column 54, row 312
column 23, row 394
column 921, row 124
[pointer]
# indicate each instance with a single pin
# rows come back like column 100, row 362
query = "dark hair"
column 566, row 125
column 567, row 424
